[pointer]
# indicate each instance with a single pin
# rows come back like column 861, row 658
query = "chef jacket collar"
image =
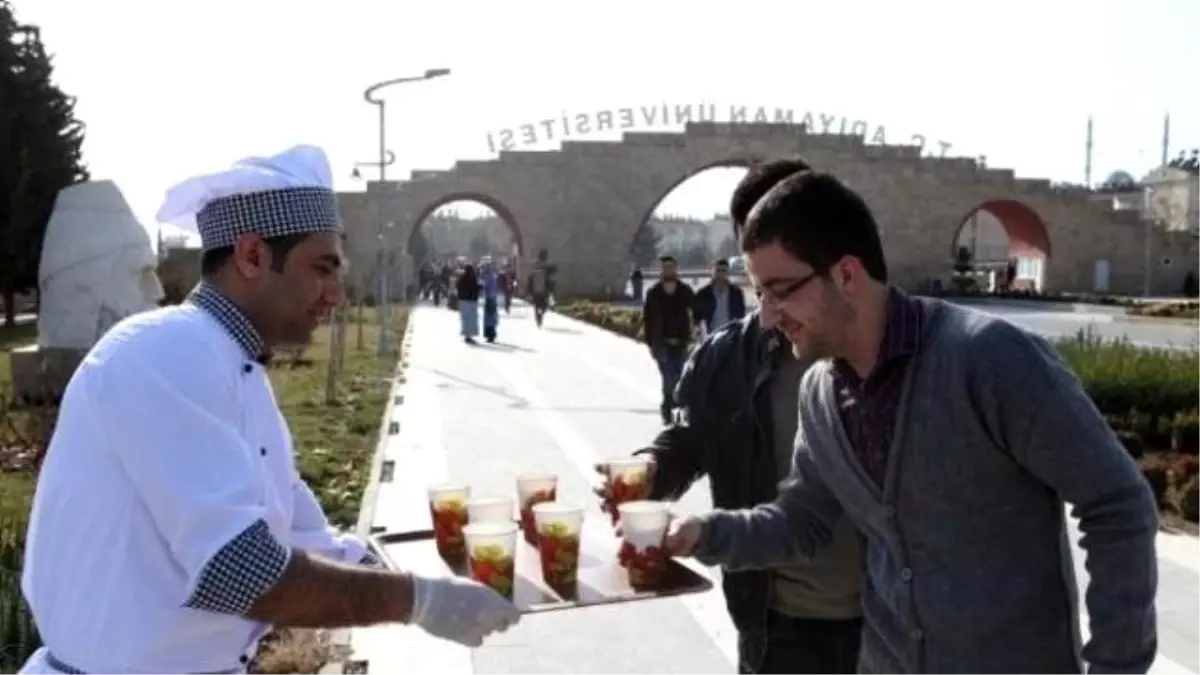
column 206, row 296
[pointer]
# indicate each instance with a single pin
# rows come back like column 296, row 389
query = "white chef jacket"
column 168, row 500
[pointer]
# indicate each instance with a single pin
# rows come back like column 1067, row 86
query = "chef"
column 170, row 529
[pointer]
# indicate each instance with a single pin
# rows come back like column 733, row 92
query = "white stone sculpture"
column 97, row 267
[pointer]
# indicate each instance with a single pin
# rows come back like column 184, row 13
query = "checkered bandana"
column 270, row 213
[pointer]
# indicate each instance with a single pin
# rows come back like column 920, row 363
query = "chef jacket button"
column 916, row 634
column 247, row 368
column 243, row 659
column 262, row 451
column 906, row 574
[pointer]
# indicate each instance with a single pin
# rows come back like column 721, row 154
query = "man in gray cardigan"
column 951, row 438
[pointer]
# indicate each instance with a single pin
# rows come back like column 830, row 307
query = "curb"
column 341, row 637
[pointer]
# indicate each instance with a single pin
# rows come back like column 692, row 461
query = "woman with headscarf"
column 467, row 291
column 491, row 298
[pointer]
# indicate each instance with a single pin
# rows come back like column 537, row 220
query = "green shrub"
column 1185, row 431
column 1123, row 378
column 621, row 320
column 1171, row 310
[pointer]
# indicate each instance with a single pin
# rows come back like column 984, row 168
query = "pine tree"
column 40, row 152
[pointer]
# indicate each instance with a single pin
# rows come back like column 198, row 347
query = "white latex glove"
column 460, row 610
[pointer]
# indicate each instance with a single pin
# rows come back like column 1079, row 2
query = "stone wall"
column 585, row 201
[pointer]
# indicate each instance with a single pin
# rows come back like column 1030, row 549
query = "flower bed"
column 1149, row 396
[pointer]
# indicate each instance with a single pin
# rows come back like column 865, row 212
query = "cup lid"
column 449, row 487
column 488, row 529
column 642, row 506
column 534, row 476
column 627, row 462
column 556, row 507
column 488, row 500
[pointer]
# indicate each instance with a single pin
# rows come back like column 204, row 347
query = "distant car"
column 737, row 264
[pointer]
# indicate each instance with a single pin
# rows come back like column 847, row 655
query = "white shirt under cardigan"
column 169, row 500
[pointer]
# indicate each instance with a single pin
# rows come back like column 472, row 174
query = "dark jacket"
column 468, row 288
column 718, row 435
column 668, row 316
column 706, row 304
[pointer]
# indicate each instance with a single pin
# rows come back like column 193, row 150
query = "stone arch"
column 730, row 163
column 1026, row 230
column 496, row 205
column 1026, row 240
column 676, row 181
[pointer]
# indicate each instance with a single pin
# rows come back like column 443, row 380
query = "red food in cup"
column 449, row 516
column 647, row 568
column 491, row 566
column 623, row 490
column 559, row 550
column 527, row 522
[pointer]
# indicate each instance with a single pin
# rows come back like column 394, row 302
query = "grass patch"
column 334, row 443
column 12, row 337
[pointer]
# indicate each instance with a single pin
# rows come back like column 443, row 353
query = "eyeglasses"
column 767, row 295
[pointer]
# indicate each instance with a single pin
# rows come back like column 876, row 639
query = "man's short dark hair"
column 212, row 261
column 757, row 182
column 666, row 259
column 819, row 220
column 721, row 262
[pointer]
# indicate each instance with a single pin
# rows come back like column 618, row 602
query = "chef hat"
column 288, row 193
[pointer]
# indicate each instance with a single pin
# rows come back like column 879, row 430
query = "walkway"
column 559, row 399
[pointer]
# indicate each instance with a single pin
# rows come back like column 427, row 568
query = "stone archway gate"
column 585, row 201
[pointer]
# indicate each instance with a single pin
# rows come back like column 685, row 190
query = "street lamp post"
column 389, row 159
column 369, row 97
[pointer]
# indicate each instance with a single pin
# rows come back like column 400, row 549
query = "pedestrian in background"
column 667, row 321
column 719, row 301
column 467, row 293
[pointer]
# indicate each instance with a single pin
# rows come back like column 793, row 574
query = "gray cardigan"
column 968, row 566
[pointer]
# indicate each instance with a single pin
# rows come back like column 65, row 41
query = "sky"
column 170, row 89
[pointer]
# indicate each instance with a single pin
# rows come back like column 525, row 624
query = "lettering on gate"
column 672, row 115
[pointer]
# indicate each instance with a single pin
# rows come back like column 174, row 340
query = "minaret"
column 1087, row 160
column 1166, row 139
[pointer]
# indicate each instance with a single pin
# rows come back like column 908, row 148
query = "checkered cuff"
column 240, row 572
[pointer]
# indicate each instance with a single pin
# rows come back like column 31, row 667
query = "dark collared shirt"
column 868, row 406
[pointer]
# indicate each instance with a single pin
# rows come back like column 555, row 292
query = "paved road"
column 1054, row 322
column 559, row 399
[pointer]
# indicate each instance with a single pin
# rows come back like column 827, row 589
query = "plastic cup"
column 644, row 527
column 490, row 510
column 491, row 555
column 448, row 509
column 628, row 481
column 559, row 528
column 534, row 488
